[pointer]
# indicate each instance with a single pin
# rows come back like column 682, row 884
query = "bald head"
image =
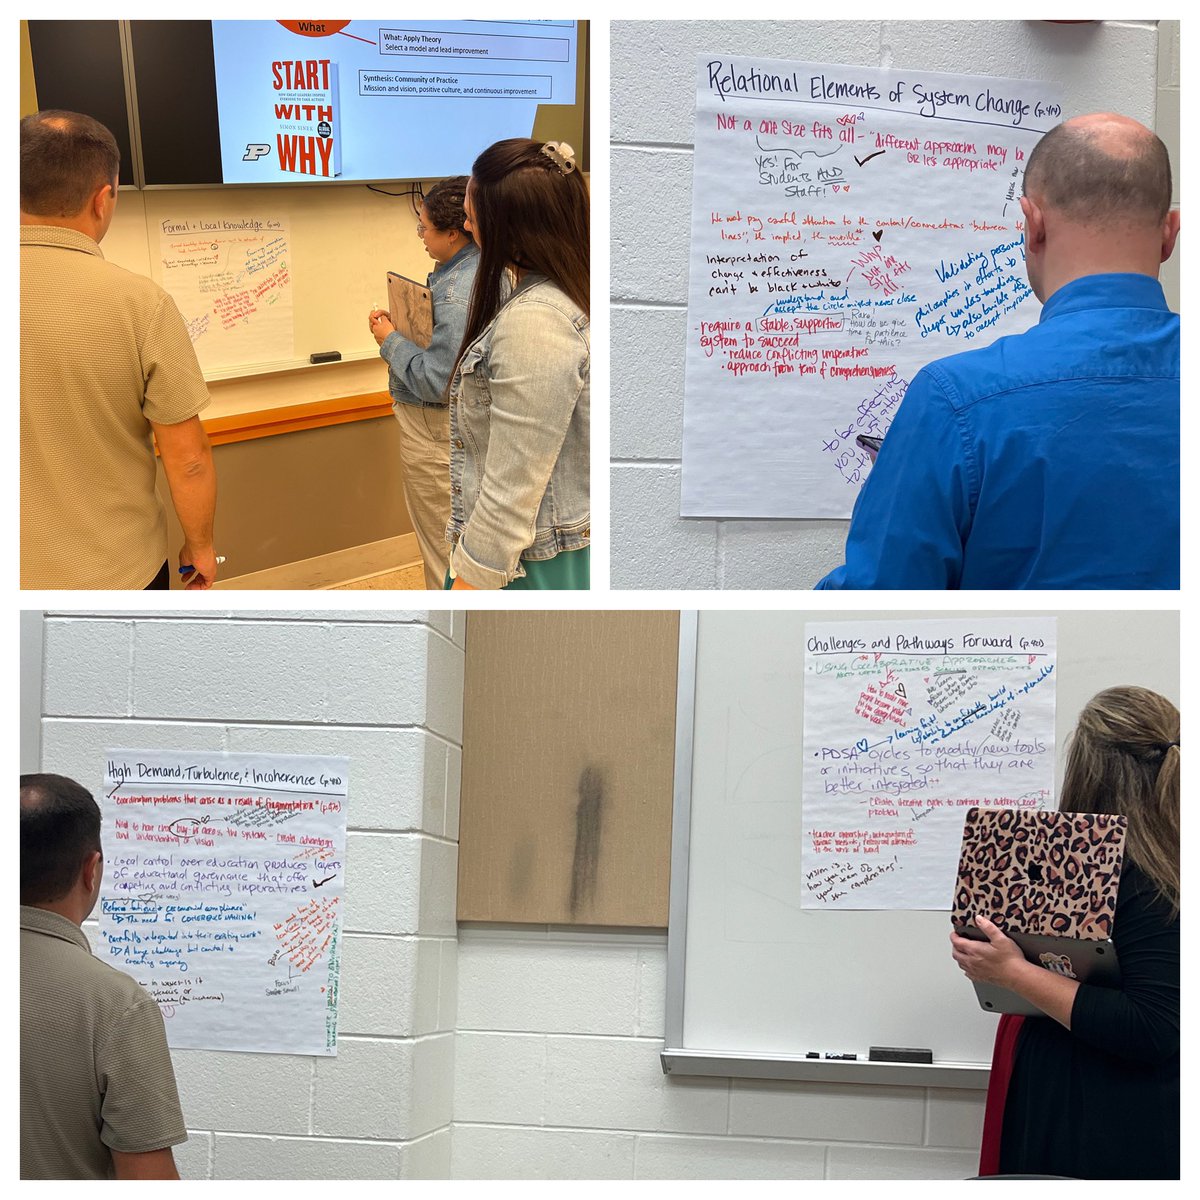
column 65, row 158
column 1101, row 170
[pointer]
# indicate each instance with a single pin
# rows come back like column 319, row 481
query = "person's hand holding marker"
column 202, row 564
column 380, row 324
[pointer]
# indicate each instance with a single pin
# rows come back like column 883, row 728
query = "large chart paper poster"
column 232, row 281
column 222, row 895
column 907, row 724
column 848, row 226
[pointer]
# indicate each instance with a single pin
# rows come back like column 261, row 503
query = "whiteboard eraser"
column 326, row 356
column 900, row 1054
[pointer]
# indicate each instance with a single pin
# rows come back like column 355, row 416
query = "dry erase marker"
column 184, row 570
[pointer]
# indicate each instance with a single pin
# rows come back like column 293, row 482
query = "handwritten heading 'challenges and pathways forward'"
column 849, row 225
column 222, row 893
column 907, row 724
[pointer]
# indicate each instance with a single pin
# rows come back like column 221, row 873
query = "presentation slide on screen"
column 366, row 100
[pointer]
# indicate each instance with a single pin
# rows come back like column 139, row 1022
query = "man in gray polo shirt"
column 106, row 361
column 98, row 1096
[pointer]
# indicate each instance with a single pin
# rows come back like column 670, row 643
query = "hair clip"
column 561, row 155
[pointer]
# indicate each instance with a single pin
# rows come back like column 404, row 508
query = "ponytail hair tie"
column 561, row 155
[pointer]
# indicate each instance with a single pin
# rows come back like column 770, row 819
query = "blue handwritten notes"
column 849, row 225
column 907, row 724
column 223, row 891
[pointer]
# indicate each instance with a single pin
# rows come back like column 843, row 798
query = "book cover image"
column 306, row 116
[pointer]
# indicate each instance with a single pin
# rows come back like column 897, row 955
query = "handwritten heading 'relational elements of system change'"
column 848, row 226
column 907, row 724
column 222, row 893
column 993, row 99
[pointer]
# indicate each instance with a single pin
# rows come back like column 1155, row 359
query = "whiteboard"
column 339, row 243
column 754, row 983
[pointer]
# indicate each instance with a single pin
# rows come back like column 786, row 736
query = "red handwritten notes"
column 883, row 703
column 231, row 278
column 848, row 226
column 907, row 724
column 305, row 934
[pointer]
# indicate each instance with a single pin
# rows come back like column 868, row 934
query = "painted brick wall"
column 557, row 1076
column 1108, row 65
column 385, row 689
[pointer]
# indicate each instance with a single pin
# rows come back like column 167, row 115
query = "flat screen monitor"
column 311, row 101
column 56, row 50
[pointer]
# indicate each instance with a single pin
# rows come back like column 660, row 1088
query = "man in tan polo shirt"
column 98, row 1096
column 105, row 360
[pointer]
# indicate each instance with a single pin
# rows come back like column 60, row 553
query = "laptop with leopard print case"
column 1049, row 880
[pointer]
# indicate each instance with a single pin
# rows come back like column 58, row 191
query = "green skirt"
column 567, row 571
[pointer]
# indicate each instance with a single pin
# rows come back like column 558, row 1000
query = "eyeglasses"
column 421, row 229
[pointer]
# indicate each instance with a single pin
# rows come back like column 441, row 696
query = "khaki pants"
column 425, row 457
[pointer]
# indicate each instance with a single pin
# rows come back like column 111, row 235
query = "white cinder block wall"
column 557, row 1076
column 385, row 689
column 1103, row 66
column 554, row 1069
column 1166, row 118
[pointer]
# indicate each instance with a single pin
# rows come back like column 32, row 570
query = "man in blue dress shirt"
column 1049, row 459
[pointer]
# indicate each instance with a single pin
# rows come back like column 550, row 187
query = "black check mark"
column 862, row 162
column 325, row 880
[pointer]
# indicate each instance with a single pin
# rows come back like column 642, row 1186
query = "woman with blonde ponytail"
column 1093, row 1087
column 1124, row 758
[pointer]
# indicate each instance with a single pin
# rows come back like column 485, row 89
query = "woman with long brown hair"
column 519, row 393
column 1093, row 1087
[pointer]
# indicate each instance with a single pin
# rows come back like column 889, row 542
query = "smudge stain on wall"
column 588, row 820
column 520, row 869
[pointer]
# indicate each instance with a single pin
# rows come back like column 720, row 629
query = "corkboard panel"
column 568, row 767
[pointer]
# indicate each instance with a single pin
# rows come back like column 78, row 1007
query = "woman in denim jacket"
column 417, row 377
column 519, row 396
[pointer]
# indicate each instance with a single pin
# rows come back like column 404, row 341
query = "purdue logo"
column 255, row 151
